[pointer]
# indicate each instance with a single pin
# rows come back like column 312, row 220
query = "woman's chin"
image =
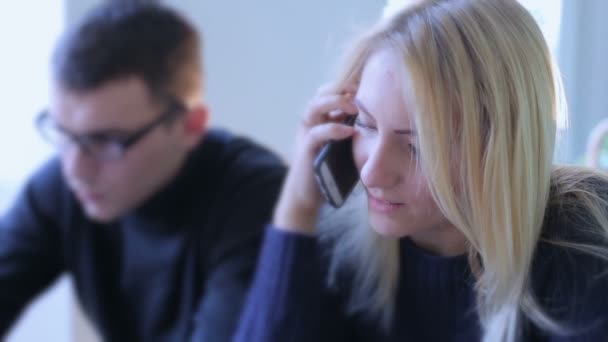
column 387, row 227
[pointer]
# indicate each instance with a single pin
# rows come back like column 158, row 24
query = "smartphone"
column 335, row 169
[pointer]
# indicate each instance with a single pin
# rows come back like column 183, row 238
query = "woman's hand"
column 300, row 199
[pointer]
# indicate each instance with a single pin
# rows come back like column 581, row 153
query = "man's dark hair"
column 122, row 39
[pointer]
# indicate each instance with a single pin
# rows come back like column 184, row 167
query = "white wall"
column 27, row 38
column 266, row 58
column 582, row 55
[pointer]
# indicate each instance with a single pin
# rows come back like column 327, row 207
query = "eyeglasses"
column 103, row 145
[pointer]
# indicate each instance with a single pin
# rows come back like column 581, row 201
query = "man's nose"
column 77, row 163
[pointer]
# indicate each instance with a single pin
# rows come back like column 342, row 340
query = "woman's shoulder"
column 570, row 271
column 571, row 286
column 576, row 218
column 577, row 209
column 571, row 182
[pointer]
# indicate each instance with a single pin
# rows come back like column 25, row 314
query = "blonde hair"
column 488, row 95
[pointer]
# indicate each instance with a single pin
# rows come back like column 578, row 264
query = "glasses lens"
column 95, row 146
column 51, row 132
column 104, row 149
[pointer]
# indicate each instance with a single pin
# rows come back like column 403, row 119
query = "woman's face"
column 385, row 148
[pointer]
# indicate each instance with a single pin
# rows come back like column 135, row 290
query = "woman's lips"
column 381, row 205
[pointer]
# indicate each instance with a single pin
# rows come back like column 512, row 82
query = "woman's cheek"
column 360, row 149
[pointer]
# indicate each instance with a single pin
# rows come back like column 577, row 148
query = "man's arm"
column 30, row 257
column 242, row 211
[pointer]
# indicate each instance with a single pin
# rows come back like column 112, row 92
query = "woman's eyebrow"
column 362, row 109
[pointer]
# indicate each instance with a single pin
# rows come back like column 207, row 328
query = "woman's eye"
column 364, row 125
column 413, row 150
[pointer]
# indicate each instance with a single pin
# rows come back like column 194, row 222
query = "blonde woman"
column 463, row 229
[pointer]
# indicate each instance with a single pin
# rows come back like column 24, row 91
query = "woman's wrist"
column 295, row 218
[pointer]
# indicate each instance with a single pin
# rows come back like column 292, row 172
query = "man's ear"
column 196, row 124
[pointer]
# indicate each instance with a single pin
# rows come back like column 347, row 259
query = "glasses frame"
column 120, row 145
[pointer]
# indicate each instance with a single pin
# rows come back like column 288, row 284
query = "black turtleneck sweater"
column 174, row 269
column 290, row 301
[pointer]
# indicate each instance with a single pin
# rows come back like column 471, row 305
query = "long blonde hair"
column 487, row 95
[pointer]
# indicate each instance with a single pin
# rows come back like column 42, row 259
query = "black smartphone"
column 335, row 169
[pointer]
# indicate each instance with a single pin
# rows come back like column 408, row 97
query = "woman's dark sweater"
column 290, row 300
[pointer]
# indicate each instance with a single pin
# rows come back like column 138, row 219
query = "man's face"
column 108, row 189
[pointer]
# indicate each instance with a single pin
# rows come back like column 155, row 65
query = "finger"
column 338, row 115
column 320, row 108
column 335, row 89
column 321, row 134
column 350, row 88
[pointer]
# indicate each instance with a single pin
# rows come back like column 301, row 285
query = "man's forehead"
column 113, row 105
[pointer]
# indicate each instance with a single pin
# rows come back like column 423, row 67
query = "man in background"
column 156, row 217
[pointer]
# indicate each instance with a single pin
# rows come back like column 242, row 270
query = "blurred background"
column 264, row 60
